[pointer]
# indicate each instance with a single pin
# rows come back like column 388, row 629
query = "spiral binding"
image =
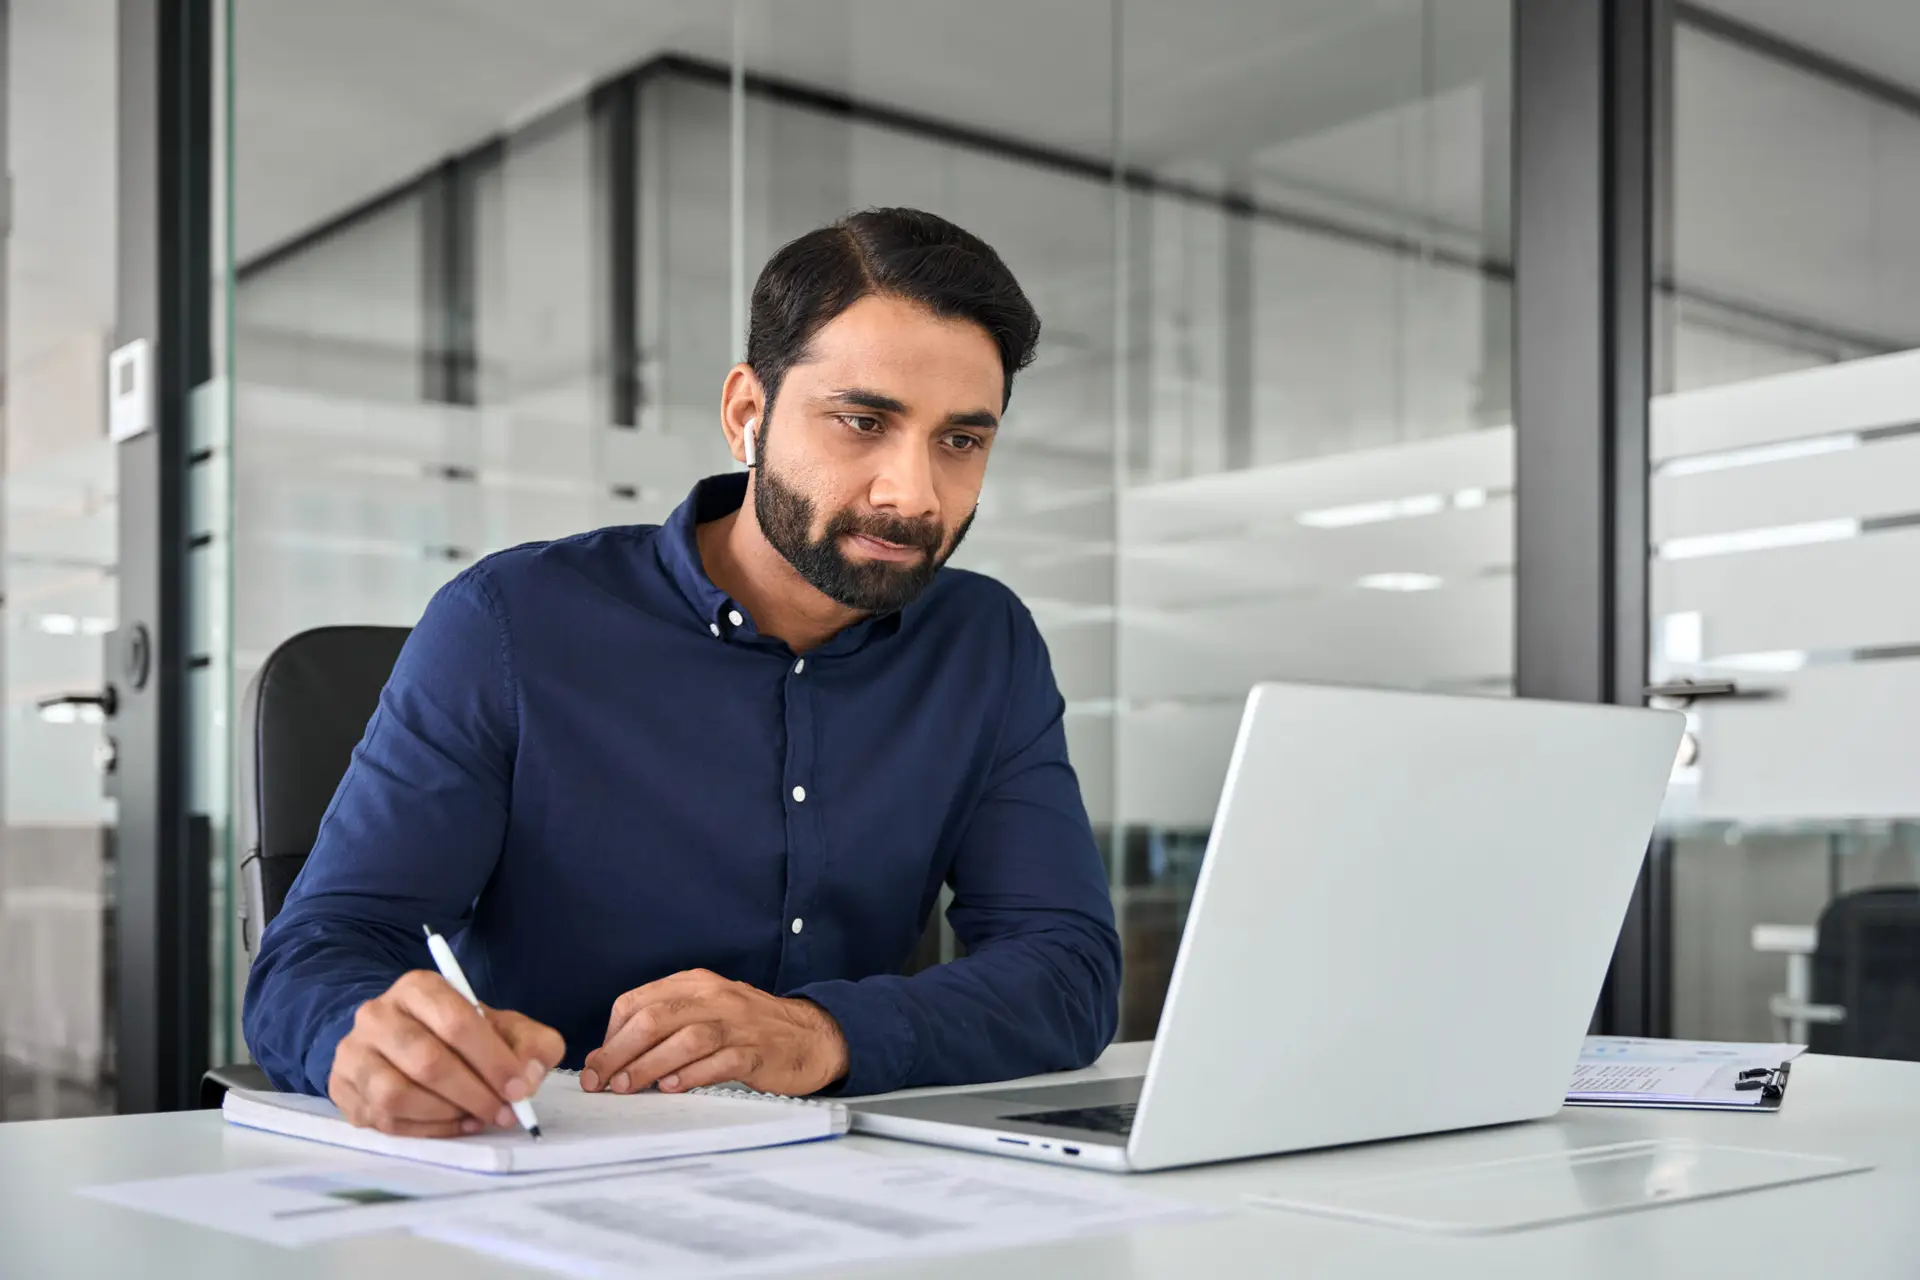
column 734, row 1091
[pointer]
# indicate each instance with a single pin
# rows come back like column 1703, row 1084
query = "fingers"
column 535, row 1043
column 687, row 1045
column 396, row 1060
column 731, row 1063
column 480, row 1054
column 686, row 982
column 374, row 1093
column 357, row 1110
column 642, row 1030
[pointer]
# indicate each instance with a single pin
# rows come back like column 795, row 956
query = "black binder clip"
column 1770, row 1081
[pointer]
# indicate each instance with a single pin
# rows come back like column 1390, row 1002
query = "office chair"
column 1868, row 963
column 1853, row 981
column 306, row 710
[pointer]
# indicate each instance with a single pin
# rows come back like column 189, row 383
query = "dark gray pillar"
column 160, row 875
column 1582, row 238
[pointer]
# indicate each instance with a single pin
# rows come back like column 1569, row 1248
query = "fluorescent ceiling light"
column 1786, row 535
column 1785, row 451
column 1421, row 504
column 1770, row 660
column 1424, row 504
column 1399, row 582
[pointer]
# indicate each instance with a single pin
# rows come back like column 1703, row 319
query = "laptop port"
column 1072, row 1151
column 1017, row 1142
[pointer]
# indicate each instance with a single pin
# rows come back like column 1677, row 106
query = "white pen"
column 449, row 966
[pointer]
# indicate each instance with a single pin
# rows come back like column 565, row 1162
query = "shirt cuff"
column 881, row 1046
column 318, row 1064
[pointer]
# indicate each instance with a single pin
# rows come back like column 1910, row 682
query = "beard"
column 870, row 586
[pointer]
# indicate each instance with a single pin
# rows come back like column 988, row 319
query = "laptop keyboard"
column 1114, row 1118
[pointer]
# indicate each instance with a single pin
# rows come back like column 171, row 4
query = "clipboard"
column 1732, row 1088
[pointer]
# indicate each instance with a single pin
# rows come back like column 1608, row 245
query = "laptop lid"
column 1403, row 920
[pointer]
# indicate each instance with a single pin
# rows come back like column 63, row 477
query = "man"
column 684, row 796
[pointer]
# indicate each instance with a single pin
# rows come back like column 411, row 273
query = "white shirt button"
column 799, row 666
column 799, row 795
column 733, row 616
column 714, row 627
column 796, row 924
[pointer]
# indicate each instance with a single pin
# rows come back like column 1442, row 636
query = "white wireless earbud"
column 747, row 432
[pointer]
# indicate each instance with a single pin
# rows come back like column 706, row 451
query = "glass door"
column 58, row 533
column 1785, row 511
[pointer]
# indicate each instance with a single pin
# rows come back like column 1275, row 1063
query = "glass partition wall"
column 486, row 289
column 1784, row 500
column 59, row 524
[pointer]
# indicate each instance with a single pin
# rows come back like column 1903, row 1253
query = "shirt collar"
column 679, row 546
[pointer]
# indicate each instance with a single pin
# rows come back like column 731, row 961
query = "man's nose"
column 904, row 483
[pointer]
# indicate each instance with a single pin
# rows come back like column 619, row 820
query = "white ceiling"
column 336, row 102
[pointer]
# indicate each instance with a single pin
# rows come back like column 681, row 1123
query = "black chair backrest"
column 306, row 710
column 1867, row 961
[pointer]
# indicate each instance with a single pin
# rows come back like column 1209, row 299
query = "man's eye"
column 960, row 442
column 860, row 422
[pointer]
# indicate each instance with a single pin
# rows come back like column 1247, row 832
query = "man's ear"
column 741, row 401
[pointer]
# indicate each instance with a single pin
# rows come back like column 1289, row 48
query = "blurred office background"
column 482, row 267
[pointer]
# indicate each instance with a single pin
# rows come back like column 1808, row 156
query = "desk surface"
column 1865, row 1225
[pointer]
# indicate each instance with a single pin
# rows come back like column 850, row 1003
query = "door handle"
column 108, row 700
column 1686, row 692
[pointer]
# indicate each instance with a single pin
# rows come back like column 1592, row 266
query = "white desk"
column 1866, row 1225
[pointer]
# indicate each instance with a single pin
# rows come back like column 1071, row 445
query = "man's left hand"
column 698, row 1028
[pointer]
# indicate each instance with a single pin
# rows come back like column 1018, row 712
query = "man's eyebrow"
column 863, row 399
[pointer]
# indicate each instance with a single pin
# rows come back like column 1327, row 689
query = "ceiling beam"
column 1766, row 44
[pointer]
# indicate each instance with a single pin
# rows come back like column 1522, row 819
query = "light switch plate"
column 130, row 390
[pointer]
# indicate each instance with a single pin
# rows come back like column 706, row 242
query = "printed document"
column 324, row 1199
column 824, row 1207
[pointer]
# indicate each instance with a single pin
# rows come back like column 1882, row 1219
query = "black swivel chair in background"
column 1867, row 964
column 305, row 711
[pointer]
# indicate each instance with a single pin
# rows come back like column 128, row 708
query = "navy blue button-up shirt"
column 590, row 771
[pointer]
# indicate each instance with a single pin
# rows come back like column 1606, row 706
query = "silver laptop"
column 1401, row 926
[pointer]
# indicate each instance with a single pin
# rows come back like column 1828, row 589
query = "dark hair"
column 901, row 253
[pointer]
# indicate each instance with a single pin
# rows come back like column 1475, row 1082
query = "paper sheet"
column 1640, row 1080
column 1717, row 1052
column 824, row 1207
column 294, row 1205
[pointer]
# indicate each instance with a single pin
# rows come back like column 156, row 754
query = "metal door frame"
column 160, row 875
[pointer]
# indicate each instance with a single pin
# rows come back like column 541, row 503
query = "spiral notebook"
column 578, row 1129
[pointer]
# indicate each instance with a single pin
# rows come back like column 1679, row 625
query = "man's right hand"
column 421, row 1063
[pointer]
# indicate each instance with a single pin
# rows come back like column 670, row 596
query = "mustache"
column 926, row 535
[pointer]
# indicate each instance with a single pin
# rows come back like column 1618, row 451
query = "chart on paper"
column 767, row 1211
